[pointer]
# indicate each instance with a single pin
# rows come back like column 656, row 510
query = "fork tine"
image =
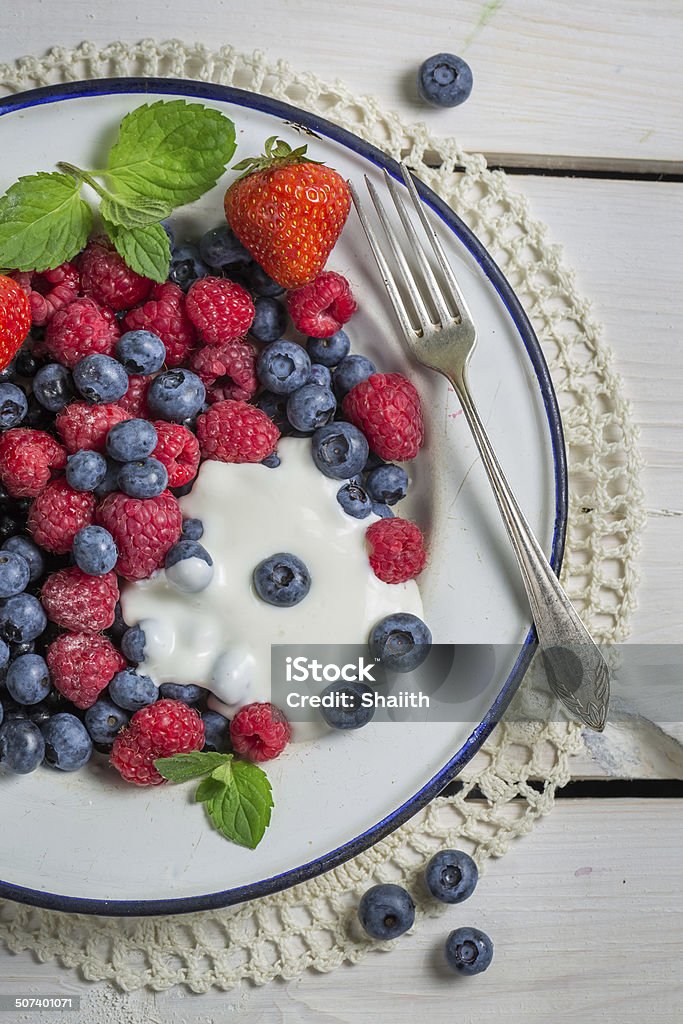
column 436, row 245
column 429, row 279
column 385, row 271
column 416, row 299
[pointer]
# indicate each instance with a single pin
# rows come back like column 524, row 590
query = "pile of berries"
column 122, row 388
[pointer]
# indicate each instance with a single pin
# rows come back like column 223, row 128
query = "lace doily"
column 312, row 924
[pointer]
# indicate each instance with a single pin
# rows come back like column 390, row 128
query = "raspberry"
column 135, row 399
column 260, row 732
column 144, row 529
column 158, row 730
column 15, row 319
column 107, row 279
column 320, row 307
column 178, row 449
column 57, row 514
column 49, row 291
column 27, row 458
column 386, row 407
column 81, row 329
column 220, row 309
column 227, row 371
column 397, row 550
column 236, row 432
column 82, row 425
column 81, row 666
column 82, row 603
column 164, row 314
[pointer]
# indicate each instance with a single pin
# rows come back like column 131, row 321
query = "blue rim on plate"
column 293, row 115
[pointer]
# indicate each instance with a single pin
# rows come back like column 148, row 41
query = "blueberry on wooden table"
column 444, row 80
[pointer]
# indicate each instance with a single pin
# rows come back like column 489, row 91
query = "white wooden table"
column 585, row 912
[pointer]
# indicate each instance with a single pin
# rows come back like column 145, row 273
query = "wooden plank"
column 580, row 80
column 585, row 915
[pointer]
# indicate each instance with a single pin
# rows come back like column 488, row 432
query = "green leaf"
column 183, row 767
column 173, row 151
column 43, row 222
column 207, row 789
column 133, row 211
column 146, row 250
column 242, row 809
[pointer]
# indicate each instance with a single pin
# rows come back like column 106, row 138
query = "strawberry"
column 288, row 211
column 15, row 319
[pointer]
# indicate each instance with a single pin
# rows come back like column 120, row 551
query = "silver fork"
column 576, row 670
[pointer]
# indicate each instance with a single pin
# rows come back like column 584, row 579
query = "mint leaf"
column 172, row 151
column 183, row 767
column 133, row 212
column 207, row 789
column 43, row 222
column 241, row 810
column 146, row 250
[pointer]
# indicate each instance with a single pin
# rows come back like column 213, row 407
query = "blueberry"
column 400, row 641
column 468, row 951
column 17, row 650
column 119, row 625
column 8, row 526
column 22, row 747
column 193, row 529
column 22, row 618
column 261, row 283
column 351, row 371
column 221, row 247
column 354, row 500
column 53, row 386
column 329, row 351
column 189, row 566
column 271, row 461
column 131, row 440
column 282, row 580
column 100, row 378
column 104, row 720
column 382, row 510
column 283, row 366
column 25, row 363
column 216, row 732
column 310, row 407
column 275, row 407
column 85, row 470
column 180, row 492
column 140, row 352
column 451, row 876
column 9, row 372
column 28, row 679
column 176, row 395
column 37, row 417
column 444, row 80
column 387, row 484
column 187, row 266
column 67, row 743
column 4, row 656
column 169, row 232
column 133, row 644
column 15, row 573
column 94, row 550
column 386, row 911
column 320, row 375
column 111, row 479
column 339, row 450
column 131, row 691
column 353, row 705
column 188, row 693
column 144, row 479
column 12, row 711
column 13, row 406
column 270, row 319
column 372, row 462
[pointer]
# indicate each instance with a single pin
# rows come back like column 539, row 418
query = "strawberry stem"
column 277, row 153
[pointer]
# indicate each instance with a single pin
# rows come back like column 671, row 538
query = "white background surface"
column 585, row 912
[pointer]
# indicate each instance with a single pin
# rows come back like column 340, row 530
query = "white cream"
column 220, row 637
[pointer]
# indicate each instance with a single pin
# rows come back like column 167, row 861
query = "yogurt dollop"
column 220, row 637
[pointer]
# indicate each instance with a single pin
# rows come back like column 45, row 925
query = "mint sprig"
column 167, row 154
column 236, row 794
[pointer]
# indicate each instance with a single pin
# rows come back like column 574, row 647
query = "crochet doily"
column 312, row 924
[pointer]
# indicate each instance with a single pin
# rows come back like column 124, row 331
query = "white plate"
column 90, row 843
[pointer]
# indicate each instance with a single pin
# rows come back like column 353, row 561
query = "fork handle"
column 576, row 670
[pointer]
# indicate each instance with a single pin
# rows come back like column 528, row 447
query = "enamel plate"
column 90, row 843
